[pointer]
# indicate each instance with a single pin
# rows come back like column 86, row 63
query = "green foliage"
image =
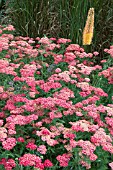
column 31, row 18
column 103, row 32
column 103, row 156
column 2, row 2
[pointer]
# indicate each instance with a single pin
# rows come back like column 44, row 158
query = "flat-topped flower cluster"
column 52, row 113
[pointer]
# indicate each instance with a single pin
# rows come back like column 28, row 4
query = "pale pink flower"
column 103, row 61
column 1, row 89
column 58, row 70
column 32, row 94
column 45, row 40
column 3, row 133
column 1, row 122
column 111, row 165
column 42, row 149
column 95, row 53
column 63, row 41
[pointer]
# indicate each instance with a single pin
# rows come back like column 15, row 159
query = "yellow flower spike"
column 88, row 29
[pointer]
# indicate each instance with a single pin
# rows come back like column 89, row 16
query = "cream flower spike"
column 89, row 27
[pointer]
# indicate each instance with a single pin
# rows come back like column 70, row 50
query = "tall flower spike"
column 88, row 29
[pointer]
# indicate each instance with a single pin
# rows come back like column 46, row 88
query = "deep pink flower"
column 31, row 146
column 9, row 164
column 48, row 163
column 20, row 139
column 39, row 165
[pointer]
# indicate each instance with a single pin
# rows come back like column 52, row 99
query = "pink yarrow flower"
column 9, row 143
column 29, row 160
column 9, row 164
column 31, row 146
column 42, row 149
column 48, row 163
column 111, row 165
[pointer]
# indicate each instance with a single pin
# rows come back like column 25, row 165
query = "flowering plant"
column 52, row 114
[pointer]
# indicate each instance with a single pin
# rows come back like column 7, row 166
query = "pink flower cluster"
column 63, row 159
column 83, row 125
column 33, row 160
column 108, row 73
column 109, row 51
column 101, row 139
column 9, row 164
column 9, row 143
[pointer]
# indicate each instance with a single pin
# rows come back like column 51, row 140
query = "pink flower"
column 83, row 163
column 111, row 165
column 58, row 70
column 3, row 133
column 11, row 132
column 32, row 94
column 1, row 89
column 20, row 139
column 79, row 114
column 53, row 39
column 39, row 166
column 87, row 79
column 9, row 164
column 69, row 56
column 52, row 142
column 3, row 64
column 93, row 157
column 48, row 163
column 100, row 138
column 9, row 143
column 42, row 149
column 73, row 143
column 9, row 28
column 0, row 31
column 58, row 58
column 95, row 53
column 29, row 160
column 45, row 132
column 31, row 146
column 38, row 124
column 2, row 114
column 50, row 85
column 73, row 47
column 63, row 41
column 1, row 122
column 45, row 40
column 63, row 159
column 103, row 61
